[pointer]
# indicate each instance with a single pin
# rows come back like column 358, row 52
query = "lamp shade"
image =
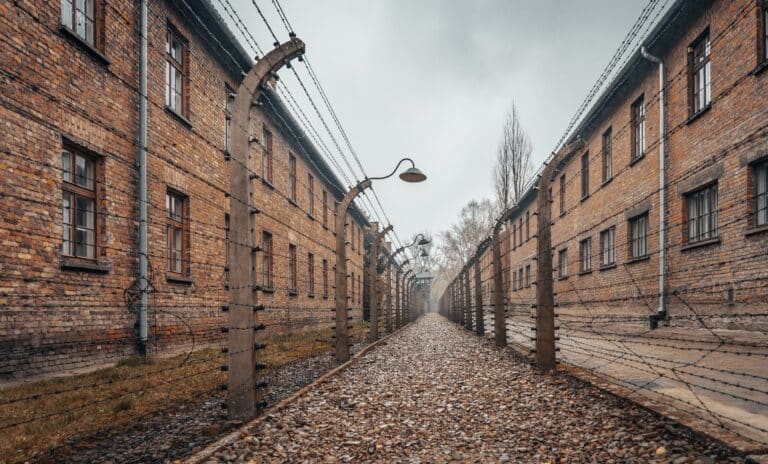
column 413, row 175
column 424, row 241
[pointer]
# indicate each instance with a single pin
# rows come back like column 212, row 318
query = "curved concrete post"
column 479, row 313
column 402, row 320
column 373, row 254
column 342, row 308
column 242, row 398
column 499, row 319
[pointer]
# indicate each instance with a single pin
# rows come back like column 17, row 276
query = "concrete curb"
column 209, row 450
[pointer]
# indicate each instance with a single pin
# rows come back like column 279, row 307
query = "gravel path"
column 436, row 393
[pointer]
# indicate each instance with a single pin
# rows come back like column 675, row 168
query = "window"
column 562, row 194
column 311, row 193
column 176, row 228
column 325, row 278
column 562, row 264
column 292, row 177
column 520, row 229
column 514, row 236
column 763, row 40
column 311, row 273
column 702, row 214
column 638, row 128
column 701, row 74
column 638, row 236
column 78, row 200
column 359, row 290
column 230, row 100
column 227, row 236
column 608, row 246
column 267, row 160
column 352, row 293
column 607, row 155
column 520, row 277
column 527, row 225
column 80, row 17
column 266, row 260
column 514, row 281
column 585, row 175
column 293, row 270
column 761, row 193
column 585, row 250
column 528, row 275
column 352, row 233
column 325, row 208
column 176, row 75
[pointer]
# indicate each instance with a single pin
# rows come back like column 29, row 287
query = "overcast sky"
column 432, row 79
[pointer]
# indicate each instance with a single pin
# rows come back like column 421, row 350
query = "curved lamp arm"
column 413, row 165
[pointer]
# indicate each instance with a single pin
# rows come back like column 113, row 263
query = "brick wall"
column 59, row 314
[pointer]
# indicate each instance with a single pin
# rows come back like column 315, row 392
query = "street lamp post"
column 342, row 330
column 400, row 319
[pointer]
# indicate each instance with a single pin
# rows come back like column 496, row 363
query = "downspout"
column 662, row 311
column 142, row 193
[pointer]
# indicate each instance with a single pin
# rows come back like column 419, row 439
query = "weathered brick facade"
column 60, row 313
column 721, row 145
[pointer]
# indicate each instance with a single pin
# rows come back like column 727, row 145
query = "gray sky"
column 432, row 79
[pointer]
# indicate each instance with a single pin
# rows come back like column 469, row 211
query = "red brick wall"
column 54, row 89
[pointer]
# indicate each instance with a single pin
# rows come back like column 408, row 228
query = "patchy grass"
column 37, row 416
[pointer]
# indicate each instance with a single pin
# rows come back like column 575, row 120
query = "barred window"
column 527, row 225
column 607, row 154
column 79, row 16
column 266, row 260
column 701, row 74
column 293, row 270
column 585, row 175
column 562, row 264
column 761, row 193
column 311, row 273
column 608, row 246
column 176, row 72
column 562, row 194
column 79, row 210
column 638, row 128
column 764, row 32
column 638, row 236
column 311, row 193
column 292, row 177
column 230, row 100
column 325, row 278
column 528, row 275
column 325, row 208
column 585, row 249
column 267, row 160
column 702, row 214
column 177, row 226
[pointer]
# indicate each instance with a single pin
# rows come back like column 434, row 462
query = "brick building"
column 69, row 220
column 605, row 197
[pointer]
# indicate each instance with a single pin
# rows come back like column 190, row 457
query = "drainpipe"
column 662, row 311
column 143, row 248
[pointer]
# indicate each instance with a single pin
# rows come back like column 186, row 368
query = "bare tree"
column 513, row 161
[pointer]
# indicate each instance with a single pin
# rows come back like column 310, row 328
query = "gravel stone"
column 436, row 393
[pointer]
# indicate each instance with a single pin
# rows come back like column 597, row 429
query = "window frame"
column 762, row 39
column 637, row 121
column 228, row 106
column 585, row 255
column 608, row 254
column 527, row 225
column 585, row 175
column 699, row 66
column 633, row 239
column 74, row 190
column 325, row 278
column 182, row 66
column 311, row 194
column 527, row 275
column 562, row 193
column 173, row 224
column 293, row 269
column 758, row 168
column 267, row 260
column 562, row 263
column 608, row 154
column 292, row 173
column 70, row 24
column 311, row 274
column 267, row 168
column 325, row 208
column 694, row 225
